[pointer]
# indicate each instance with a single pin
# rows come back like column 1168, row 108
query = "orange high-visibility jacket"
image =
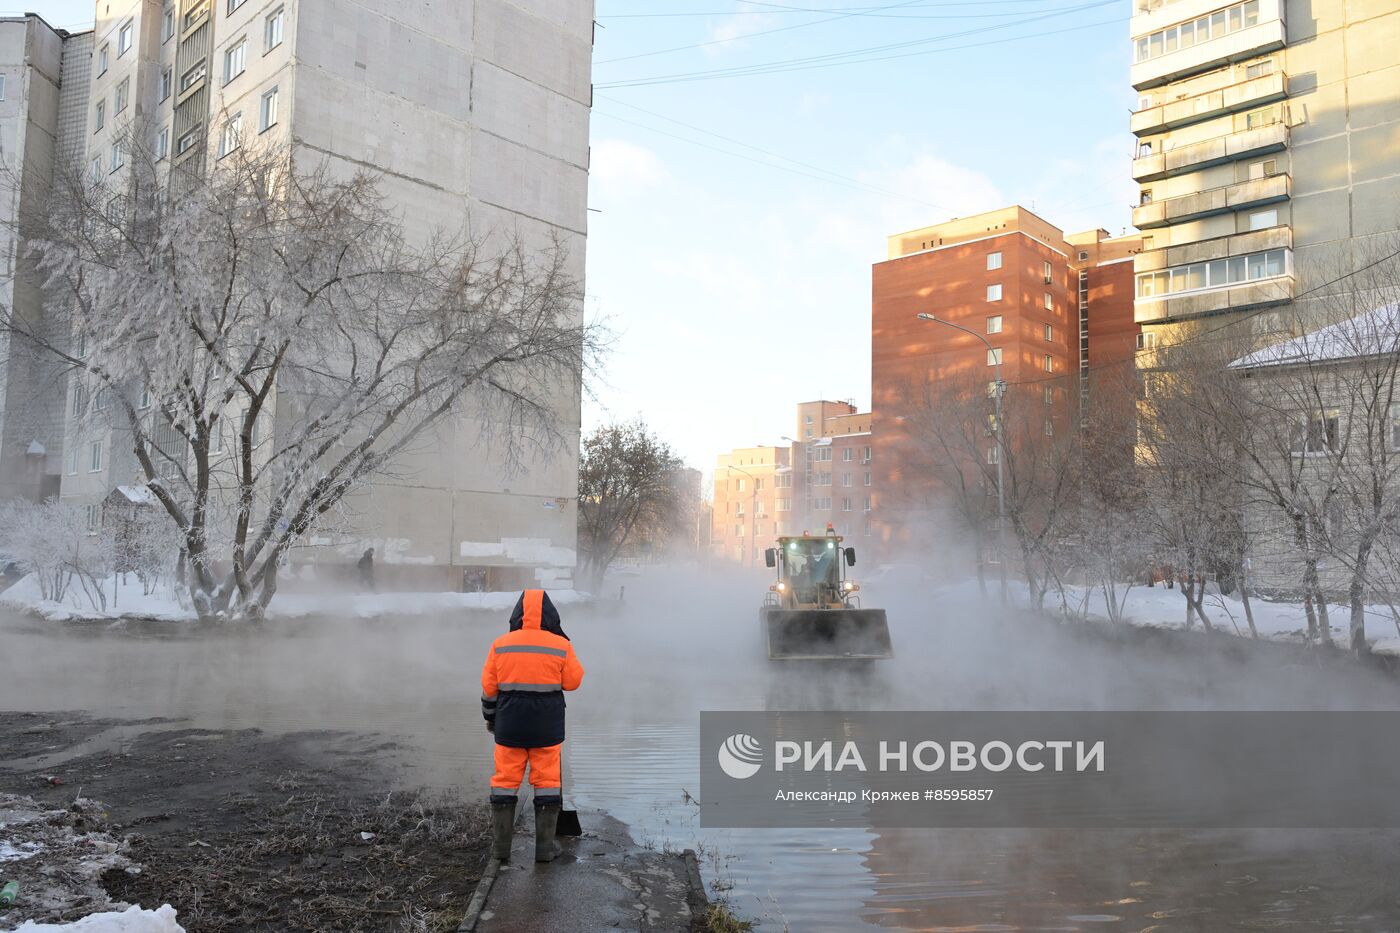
column 526, row 673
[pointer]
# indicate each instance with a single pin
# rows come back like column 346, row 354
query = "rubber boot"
column 546, row 821
column 502, row 829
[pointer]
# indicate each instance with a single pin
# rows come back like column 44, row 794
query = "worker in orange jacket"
column 523, row 681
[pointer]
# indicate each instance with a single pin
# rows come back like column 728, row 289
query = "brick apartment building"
column 1057, row 312
column 826, row 474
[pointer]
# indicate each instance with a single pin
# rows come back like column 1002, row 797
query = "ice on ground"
column 128, row 601
column 131, row 920
column 66, row 881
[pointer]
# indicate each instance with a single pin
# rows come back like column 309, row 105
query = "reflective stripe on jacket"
column 526, row 673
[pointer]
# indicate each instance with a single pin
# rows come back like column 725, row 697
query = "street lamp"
column 753, row 508
column 1000, row 439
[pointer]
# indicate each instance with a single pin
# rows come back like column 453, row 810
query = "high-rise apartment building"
column 1052, row 314
column 43, row 101
column 474, row 113
column 1266, row 156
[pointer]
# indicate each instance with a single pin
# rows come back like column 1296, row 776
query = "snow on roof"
column 136, row 495
column 1370, row 334
column 35, row 449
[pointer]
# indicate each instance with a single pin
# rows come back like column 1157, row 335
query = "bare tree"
column 270, row 340
column 53, row 541
column 627, row 486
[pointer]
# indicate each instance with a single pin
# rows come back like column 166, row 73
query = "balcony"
column 1195, row 156
column 1252, row 193
column 1195, row 108
column 1247, row 297
column 1267, row 34
column 1236, row 244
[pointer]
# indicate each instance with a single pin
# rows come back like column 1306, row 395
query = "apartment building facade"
column 474, row 114
column 1266, row 158
column 754, row 495
column 1050, row 314
column 43, row 102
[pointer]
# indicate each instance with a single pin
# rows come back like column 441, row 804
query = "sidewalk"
column 602, row 881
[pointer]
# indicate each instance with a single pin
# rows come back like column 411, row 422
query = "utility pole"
column 1000, row 434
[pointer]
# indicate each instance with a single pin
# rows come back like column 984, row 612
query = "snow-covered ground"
column 131, row 920
column 127, row 601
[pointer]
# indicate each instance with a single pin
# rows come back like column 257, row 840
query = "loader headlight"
column 851, row 587
column 782, row 587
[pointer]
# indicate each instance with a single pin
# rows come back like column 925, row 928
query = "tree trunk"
column 1357, row 593
column 1244, row 598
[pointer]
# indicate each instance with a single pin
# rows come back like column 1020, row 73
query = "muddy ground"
column 243, row 831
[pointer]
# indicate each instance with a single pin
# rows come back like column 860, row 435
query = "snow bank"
column 131, row 920
column 163, row 605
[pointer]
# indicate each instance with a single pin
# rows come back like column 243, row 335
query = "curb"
column 478, row 901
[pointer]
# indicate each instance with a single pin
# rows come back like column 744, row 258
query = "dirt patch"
column 243, row 831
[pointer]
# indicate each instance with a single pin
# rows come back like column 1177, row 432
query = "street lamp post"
column 1000, row 440
column 753, row 509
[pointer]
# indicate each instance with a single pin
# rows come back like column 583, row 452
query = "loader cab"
column 812, row 570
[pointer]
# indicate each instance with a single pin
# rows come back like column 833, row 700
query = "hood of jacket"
column 535, row 610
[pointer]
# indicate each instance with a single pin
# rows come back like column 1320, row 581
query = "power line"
column 833, row 59
column 848, row 180
column 747, row 35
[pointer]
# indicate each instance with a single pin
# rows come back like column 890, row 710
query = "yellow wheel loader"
column 812, row 613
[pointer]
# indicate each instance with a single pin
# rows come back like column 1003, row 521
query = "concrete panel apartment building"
column 1057, row 312
column 476, row 111
column 1268, row 158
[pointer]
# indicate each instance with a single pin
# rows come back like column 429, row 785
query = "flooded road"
column 680, row 646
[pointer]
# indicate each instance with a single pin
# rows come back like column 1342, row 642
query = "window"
column 868, row 503
column 823, row 505
column 821, row 479
column 783, row 481
column 1049, row 273
column 846, row 480
column 1049, row 301
column 1261, row 220
column 869, row 483
column 1049, row 363
column 272, row 29
column 994, row 293
column 993, row 455
column 122, row 97
column 993, row 261
column 2, row 87
column 846, row 504
column 235, row 60
column 1259, row 69
column 757, row 485
column 1218, row 273
column 1266, row 116
column 267, row 111
column 1084, row 253
column 232, row 136
column 123, row 39
column 994, row 357
column 742, row 485
column 145, row 401
column 1320, row 434
column 1265, row 169
column 93, row 513
column 193, row 76
column 1146, row 341
column 739, row 508
column 167, row 83
column 100, row 115
column 167, row 24
column 1395, row 427
column 823, row 455
column 784, row 505
column 1049, row 395
column 738, row 531
column 1049, row 428
column 95, row 170
column 186, row 142
column 79, row 399
column 73, row 460
column 992, row 389
column 994, row 324
column 194, row 14
column 102, row 61
column 95, row 457
column 1049, row 332
column 866, row 458
column 848, row 455
column 118, row 156
column 234, row 4
column 808, row 419
column 1195, row 31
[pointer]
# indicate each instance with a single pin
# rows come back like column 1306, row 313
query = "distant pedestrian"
column 523, row 681
column 366, row 569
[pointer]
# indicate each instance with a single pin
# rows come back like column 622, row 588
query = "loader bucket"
column 827, row 634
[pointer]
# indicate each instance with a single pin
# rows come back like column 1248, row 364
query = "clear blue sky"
column 735, row 267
